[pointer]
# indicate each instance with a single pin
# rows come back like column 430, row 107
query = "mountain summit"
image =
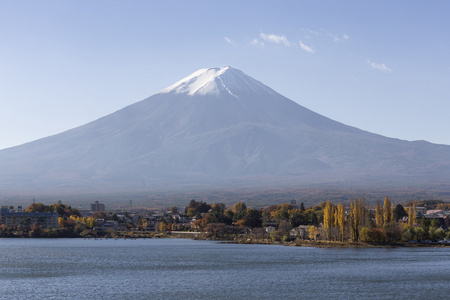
column 216, row 127
column 217, row 81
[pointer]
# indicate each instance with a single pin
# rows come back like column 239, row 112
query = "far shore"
column 302, row 243
column 244, row 239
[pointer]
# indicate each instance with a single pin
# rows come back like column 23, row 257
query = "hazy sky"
column 382, row 66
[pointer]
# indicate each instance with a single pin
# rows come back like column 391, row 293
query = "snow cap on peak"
column 215, row 81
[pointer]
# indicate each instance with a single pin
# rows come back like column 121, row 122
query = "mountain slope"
column 215, row 126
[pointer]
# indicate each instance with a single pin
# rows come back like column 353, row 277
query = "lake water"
column 187, row 269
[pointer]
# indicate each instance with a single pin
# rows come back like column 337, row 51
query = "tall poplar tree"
column 355, row 219
column 364, row 213
column 412, row 215
column 328, row 216
column 340, row 220
column 388, row 211
column 379, row 215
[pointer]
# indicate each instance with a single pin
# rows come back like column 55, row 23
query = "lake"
column 188, row 269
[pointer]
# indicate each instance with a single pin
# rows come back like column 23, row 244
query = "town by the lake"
column 357, row 224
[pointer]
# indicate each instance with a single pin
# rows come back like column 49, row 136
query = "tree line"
column 70, row 223
column 357, row 222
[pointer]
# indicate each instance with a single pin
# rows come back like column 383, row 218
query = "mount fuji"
column 216, row 127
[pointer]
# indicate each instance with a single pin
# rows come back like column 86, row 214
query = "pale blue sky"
column 382, row 66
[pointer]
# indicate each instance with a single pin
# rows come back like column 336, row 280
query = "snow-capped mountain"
column 217, row 126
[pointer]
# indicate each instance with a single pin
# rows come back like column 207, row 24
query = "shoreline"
column 307, row 243
column 329, row 244
column 249, row 240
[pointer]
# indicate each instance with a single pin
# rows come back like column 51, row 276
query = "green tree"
column 253, row 218
column 312, row 218
column 393, row 232
column 192, row 212
column 201, row 207
column 399, row 212
column 373, row 235
column 174, row 209
column 436, row 233
column 99, row 215
column 408, row 234
column 219, row 207
column 434, row 223
column 297, row 218
column 302, row 207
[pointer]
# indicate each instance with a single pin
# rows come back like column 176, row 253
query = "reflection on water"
column 186, row 269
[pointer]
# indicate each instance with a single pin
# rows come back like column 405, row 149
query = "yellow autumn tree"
column 328, row 216
column 61, row 222
column 340, row 219
column 162, row 226
column 379, row 214
column 239, row 211
column 359, row 218
column 90, row 222
column 355, row 218
column 144, row 224
column 312, row 232
column 388, row 211
column 412, row 215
